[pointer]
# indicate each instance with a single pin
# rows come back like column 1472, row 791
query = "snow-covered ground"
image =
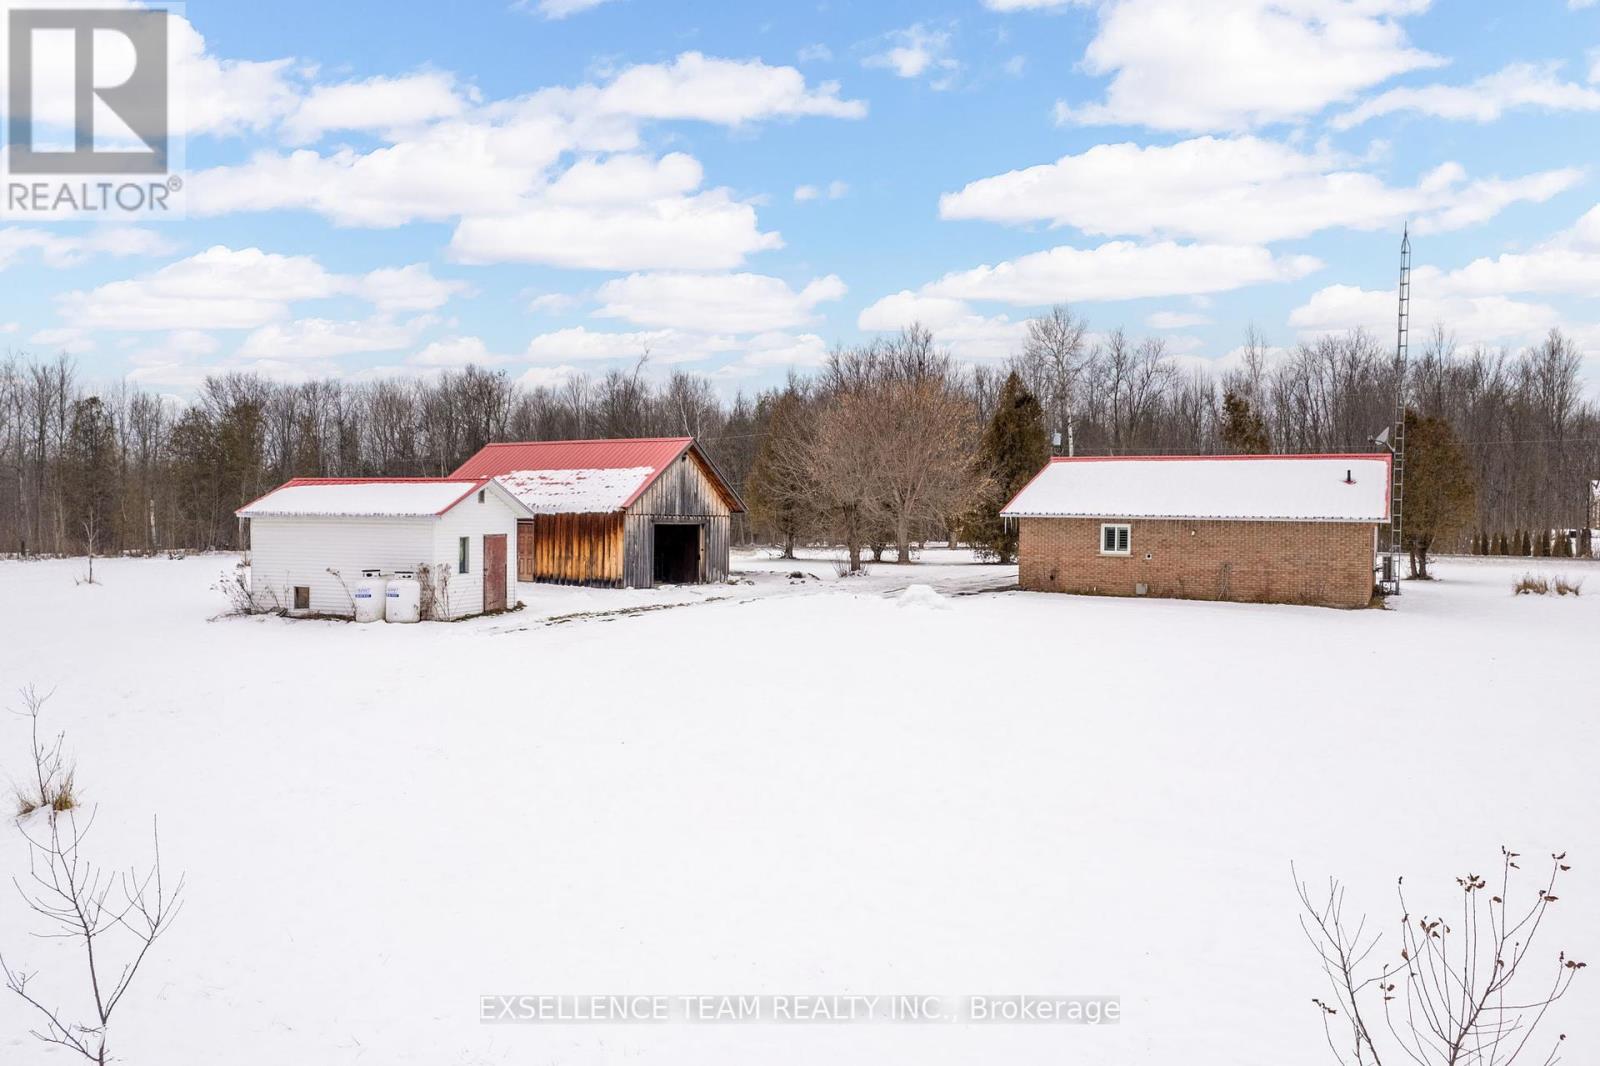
column 792, row 785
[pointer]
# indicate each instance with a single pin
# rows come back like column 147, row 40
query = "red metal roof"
column 657, row 453
column 494, row 459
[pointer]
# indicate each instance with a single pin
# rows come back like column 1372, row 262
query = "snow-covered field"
column 792, row 785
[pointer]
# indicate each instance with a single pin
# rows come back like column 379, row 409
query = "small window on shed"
column 462, row 555
column 481, row 494
column 1114, row 539
column 302, row 597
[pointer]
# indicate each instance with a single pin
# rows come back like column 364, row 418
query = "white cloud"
column 1533, row 85
column 707, row 231
column 799, row 350
column 1234, row 189
column 60, row 251
column 560, row 9
column 457, row 351
column 834, row 190
column 547, row 377
column 1176, row 320
column 1475, row 300
column 377, row 104
column 1200, row 65
column 717, row 303
column 1474, row 319
column 1032, row 5
column 191, row 342
column 581, row 344
column 497, row 168
column 224, row 97
column 916, row 50
column 954, row 324
column 211, row 96
column 407, row 288
column 451, row 169
column 814, row 53
column 1121, row 270
column 70, row 339
column 552, row 303
column 729, row 92
column 625, row 178
column 321, row 338
column 225, row 288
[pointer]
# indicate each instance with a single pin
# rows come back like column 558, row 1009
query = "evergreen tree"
column 89, row 472
column 1243, row 432
column 1014, row 448
column 1441, row 494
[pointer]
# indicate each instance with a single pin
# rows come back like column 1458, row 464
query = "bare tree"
column 1452, row 998
column 74, row 897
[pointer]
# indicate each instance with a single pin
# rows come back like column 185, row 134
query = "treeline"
column 888, row 443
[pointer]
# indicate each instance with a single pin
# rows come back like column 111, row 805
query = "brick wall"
column 1327, row 563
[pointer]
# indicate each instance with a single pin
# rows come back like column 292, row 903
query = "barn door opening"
column 494, row 571
column 677, row 554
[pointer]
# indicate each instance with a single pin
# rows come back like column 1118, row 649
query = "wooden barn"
column 628, row 513
column 1264, row 528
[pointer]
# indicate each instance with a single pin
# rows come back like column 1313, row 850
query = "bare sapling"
column 51, row 786
column 1464, row 990
column 114, row 918
column 91, row 545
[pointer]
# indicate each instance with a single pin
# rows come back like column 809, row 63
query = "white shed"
column 311, row 539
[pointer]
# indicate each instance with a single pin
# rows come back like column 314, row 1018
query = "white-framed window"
column 463, row 554
column 1115, row 538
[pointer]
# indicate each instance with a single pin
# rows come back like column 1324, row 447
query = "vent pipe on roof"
column 1348, row 480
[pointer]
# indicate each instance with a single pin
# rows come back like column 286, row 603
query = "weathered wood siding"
column 619, row 549
column 685, row 493
column 572, row 549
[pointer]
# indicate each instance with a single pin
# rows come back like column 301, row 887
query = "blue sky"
column 555, row 188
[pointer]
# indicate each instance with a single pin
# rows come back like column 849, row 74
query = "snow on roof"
column 567, row 457
column 584, row 491
column 1313, row 488
column 362, row 498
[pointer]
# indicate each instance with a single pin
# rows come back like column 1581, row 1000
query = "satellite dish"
column 1382, row 437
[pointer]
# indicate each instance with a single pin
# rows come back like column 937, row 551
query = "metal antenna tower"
column 1397, row 483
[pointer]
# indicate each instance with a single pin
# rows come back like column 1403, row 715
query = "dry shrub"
column 52, row 785
column 1537, row 586
column 1564, row 586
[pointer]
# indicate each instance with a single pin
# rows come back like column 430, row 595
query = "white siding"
column 472, row 520
column 285, row 552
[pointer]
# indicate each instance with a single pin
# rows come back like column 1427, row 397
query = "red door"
column 494, row 571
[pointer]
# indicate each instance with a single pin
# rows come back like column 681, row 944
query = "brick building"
column 1261, row 528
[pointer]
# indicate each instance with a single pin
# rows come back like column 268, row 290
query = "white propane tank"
column 403, row 599
column 369, row 596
